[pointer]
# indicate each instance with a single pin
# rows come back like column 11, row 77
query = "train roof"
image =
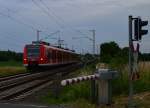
column 61, row 49
column 46, row 44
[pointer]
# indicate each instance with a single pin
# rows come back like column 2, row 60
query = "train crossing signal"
column 138, row 31
column 134, row 52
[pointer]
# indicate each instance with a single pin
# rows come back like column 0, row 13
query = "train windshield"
column 33, row 51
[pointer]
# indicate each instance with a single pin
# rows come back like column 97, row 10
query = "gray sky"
column 19, row 20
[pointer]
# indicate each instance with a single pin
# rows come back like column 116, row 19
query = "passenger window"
column 49, row 55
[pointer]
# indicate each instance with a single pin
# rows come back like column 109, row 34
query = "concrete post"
column 105, row 86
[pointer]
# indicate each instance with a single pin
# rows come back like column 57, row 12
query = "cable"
column 50, row 35
column 12, row 37
column 47, row 13
column 11, row 44
column 53, row 13
column 18, row 21
column 22, row 17
column 56, row 16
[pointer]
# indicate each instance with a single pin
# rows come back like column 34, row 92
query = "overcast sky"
column 19, row 20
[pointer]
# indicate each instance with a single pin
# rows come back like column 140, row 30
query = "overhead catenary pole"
column 93, row 34
column 60, row 42
column 98, row 49
column 93, row 86
column 38, row 33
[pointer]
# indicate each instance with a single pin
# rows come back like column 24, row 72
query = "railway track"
column 13, row 76
column 18, row 87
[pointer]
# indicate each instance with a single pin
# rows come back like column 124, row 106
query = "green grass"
column 7, row 71
column 78, row 95
column 74, row 92
column 8, row 68
column 121, row 85
column 69, row 94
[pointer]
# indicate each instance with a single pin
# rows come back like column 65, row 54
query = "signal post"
column 134, row 45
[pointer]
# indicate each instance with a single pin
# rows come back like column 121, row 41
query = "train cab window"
column 33, row 51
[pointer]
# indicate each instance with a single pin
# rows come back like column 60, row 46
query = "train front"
column 32, row 56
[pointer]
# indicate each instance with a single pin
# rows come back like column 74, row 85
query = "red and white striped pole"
column 79, row 79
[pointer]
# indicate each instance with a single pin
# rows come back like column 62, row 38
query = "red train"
column 42, row 54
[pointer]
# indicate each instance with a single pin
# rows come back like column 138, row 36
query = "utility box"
column 104, row 85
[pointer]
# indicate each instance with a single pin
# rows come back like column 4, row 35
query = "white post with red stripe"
column 79, row 79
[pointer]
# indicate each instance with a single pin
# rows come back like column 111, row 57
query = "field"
column 11, row 68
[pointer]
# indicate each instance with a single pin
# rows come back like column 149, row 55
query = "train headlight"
column 41, row 59
column 25, row 59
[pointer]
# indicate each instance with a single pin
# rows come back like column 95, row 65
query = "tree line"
column 112, row 53
column 10, row 56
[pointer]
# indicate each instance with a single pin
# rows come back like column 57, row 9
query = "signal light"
column 138, row 31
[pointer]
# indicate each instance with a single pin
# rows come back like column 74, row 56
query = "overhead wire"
column 51, row 35
column 50, row 10
column 14, row 44
column 12, row 37
column 18, row 21
column 9, row 43
column 47, row 13
column 17, row 42
column 22, row 17
column 58, row 18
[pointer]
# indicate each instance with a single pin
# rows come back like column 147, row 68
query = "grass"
column 82, row 103
column 11, row 68
column 73, row 92
column 78, row 95
column 68, row 94
column 7, row 71
column 141, row 100
column 120, row 85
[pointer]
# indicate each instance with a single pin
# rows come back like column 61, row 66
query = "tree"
column 113, row 55
column 108, row 51
column 10, row 55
